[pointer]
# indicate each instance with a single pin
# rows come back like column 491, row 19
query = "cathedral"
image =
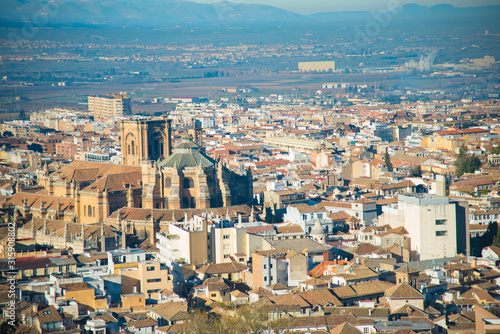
column 154, row 174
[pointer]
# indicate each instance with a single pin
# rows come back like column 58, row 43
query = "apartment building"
column 283, row 266
column 438, row 226
column 184, row 243
column 150, row 277
column 110, row 105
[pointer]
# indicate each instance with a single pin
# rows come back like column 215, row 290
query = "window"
column 320, row 216
column 213, row 295
column 153, row 291
column 270, row 266
column 152, row 268
column 227, row 246
column 226, row 256
column 241, row 259
column 226, row 236
column 440, row 221
column 265, row 278
column 441, row 233
column 154, row 280
column 265, row 266
column 271, row 278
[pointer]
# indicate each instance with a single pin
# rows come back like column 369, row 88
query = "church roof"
column 189, row 159
column 186, row 154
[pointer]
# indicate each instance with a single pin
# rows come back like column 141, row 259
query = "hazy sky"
column 314, row 6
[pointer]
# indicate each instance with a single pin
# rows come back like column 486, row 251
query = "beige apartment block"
column 149, row 278
column 110, row 105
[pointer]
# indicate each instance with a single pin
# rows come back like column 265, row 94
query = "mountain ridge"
column 173, row 12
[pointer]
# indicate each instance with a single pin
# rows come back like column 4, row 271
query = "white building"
column 118, row 259
column 437, row 225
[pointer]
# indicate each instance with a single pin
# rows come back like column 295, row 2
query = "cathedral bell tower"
column 145, row 139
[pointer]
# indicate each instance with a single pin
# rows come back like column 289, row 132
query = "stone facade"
column 152, row 176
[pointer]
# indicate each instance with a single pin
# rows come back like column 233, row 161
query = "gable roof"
column 403, row 290
column 169, row 310
column 221, row 268
column 86, row 171
column 345, row 328
column 406, row 269
column 49, row 202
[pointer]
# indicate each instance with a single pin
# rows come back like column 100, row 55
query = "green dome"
column 187, row 154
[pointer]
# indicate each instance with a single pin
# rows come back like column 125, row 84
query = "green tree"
column 35, row 147
column 490, row 235
column 417, row 172
column 7, row 134
column 22, row 115
column 387, row 160
column 466, row 163
column 495, row 150
column 496, row 240
column 242, row 320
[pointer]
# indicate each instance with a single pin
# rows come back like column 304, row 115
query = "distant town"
column 203, row 187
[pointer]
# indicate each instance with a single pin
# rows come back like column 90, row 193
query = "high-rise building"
column 437, row 225
column 110, row 105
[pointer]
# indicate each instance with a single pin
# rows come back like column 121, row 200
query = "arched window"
column 133, row 147
column 168, row 182
column 128, row 148
column 90, row 211
column 188, row 183
column 93, row 211
column 157, row 205
column 158, row 142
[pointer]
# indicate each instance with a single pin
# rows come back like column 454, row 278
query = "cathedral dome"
column 187, row 154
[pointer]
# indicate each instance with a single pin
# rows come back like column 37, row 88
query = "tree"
column 466, row 163
column 35, row 147
column 387, row 160
column 7, row 134
column 241, row 320
column 496, row 240
column 417, row 172
column 6, row 328
column 490, row 235
column 200, row 323
column 495, row 150
column 22, row 115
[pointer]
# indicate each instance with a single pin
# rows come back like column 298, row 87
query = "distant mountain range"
column 177, row 12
